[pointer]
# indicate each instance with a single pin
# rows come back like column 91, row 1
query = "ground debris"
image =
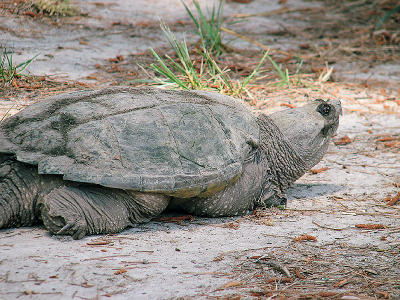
column 99, row 243
column 279, row 279
column 342, row 141
column 320, row 170
column 341, row 283
column 233, row 225
column 273, row 264
column 120, row 271
column 177, row 219
column 232, row 284
column 305, row 237
column 298, row 274
column 370, row 226
column 392, row 200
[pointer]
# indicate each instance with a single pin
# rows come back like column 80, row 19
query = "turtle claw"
column 75, row 228
column 65, row 228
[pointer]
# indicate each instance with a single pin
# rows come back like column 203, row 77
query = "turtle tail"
column 19, row 186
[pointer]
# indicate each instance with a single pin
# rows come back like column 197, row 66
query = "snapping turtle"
column 93, row 162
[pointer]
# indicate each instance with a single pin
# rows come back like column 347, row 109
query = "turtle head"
column 309, row 128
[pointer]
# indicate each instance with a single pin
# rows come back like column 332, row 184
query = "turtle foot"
column 85, row 210
column 61, row 215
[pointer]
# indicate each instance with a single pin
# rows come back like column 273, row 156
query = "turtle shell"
column 181, row 143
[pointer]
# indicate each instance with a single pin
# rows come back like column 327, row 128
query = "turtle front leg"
column 86, row 210
column 236, row 199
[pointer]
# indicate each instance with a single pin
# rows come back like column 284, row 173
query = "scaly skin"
column 19, row 188
column 89, row 209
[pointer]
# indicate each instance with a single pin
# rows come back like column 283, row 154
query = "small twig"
column 106, row 257
column 274, row 264
column 326, row 227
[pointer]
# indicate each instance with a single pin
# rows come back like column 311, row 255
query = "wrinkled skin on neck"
column 309, row 128
column 295, row 140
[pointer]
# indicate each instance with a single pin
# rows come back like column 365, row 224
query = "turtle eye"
column 324, row 109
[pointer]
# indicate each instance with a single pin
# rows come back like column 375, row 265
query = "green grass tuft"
column 202, row 73
column 286, row 79
column 8, row 70
column 208, row 28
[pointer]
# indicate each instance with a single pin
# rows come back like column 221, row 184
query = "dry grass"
column 55, row 7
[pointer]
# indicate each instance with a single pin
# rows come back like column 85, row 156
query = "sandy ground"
column 247, row 257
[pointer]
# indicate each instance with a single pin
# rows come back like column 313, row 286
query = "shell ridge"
column 225, row 130
column 171, row 134
column 114, row 133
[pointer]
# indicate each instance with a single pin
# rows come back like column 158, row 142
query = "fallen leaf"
column 392, row 200
column 317, row 69
column 370, row 226
column 177, row 219
column 233, row 225
column 370, row 272
column 384, row 295
column 218, row 258
column 341, row 283
column 143, row 24
column 83, row 42
column 298, row 274
column 120, row 271
column 30, row 13
column 98, row 243
column 256, row 294
column 267, row 222
column 316, row 171
column 116, row 59
column 305, row 237
column 393, row 144
column 232, row 284
column 280, row 279
column 86, row 285
column 304, row 46
column 342, row 141
column 288, row 105
column 255, row 257
column 387, row 139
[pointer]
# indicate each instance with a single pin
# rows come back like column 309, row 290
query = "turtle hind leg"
column 86, row 210
column 19, row 189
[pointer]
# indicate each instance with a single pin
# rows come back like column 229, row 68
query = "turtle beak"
column 338, row 106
